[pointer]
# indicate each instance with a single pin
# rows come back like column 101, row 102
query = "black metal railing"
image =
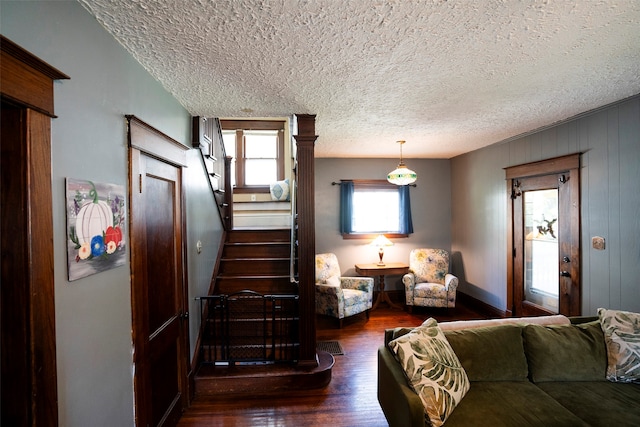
column 248, row 328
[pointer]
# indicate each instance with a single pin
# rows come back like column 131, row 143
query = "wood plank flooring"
column 350, row 399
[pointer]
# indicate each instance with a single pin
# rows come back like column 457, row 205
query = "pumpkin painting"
column 95, row 218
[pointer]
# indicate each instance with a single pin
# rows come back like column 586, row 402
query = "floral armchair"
column 338, row 296
column 429, row 283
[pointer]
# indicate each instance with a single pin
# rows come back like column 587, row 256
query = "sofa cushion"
column 565, row 353
column 493, row 353
column 599, row 403
column 433, row 370
column 509, row 404
column 622, row 338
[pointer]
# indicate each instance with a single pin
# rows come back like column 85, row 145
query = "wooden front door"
column 545, row 244
column 159, row 288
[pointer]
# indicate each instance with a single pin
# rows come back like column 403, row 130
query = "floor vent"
column 331, row 347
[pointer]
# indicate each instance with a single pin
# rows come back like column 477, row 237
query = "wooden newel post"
column 305, row 141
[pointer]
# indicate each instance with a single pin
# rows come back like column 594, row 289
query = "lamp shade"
column 381, row 241
column 402, row 175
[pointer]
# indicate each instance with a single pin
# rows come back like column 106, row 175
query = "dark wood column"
column 305, row 141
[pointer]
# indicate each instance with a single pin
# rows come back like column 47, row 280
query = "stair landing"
column 221, row 381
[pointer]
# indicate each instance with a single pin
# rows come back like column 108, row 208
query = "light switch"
column 598, row 243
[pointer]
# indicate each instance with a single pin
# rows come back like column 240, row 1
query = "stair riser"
column 253, row 236
column 274, row 250
column 262, row 285
column 271, row 379
column 263, row 267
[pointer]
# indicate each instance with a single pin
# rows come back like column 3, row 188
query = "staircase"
column 255, row 261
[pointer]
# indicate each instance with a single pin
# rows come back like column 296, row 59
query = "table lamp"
column 381, row 241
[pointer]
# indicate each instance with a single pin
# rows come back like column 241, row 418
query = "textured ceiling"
column 446, row 76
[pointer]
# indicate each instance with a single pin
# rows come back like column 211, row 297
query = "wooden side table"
column 390, row 268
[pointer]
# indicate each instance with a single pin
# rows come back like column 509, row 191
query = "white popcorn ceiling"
column 446, row 76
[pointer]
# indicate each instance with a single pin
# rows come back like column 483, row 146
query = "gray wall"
column 610, row 206
column 458, row 204
column 93, row 314
column 430, row 209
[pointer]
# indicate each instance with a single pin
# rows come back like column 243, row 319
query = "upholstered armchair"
column 338, row 296
column 429, row 283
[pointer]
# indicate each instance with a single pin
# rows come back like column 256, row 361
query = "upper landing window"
column 257, row 148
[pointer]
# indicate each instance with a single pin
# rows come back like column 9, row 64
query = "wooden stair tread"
column 252, row 276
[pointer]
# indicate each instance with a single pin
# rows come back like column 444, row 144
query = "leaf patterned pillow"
column 622, row 338
column 433, row 370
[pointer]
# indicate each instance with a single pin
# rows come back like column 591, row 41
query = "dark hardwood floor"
column 350, row 399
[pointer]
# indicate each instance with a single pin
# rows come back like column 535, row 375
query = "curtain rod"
column 365, row 181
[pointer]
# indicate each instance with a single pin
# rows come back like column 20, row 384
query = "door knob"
column 566, row 259
column 565, row 274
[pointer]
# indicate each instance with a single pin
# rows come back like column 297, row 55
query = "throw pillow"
column 433, row 370
column 280, row 190
column 622, row 338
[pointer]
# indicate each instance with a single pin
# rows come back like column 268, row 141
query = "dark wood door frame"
column 145, row 140
column 29, row 377
column 568, row 170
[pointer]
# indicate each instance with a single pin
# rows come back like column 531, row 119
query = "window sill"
column 372, row 236
column 255, row 189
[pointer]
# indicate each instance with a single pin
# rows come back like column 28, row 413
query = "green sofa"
column 520, row 375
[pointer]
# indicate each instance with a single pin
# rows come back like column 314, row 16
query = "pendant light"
column 402, row 175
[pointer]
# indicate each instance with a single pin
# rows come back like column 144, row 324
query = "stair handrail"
column 293, row 274
column 207, row 137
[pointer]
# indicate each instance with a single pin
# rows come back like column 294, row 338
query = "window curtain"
column 406, row 224
column 346, row 210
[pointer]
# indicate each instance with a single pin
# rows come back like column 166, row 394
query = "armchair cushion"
column 333, row 281
column 326, row 266
column 429, row 265
column 430, row 290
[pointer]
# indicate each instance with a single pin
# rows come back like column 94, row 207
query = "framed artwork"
column 95, row 227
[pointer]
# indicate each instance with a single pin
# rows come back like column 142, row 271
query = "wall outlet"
column 253, row 197
column 598, row 243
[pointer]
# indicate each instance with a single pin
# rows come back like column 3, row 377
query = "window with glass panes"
column 257, row 148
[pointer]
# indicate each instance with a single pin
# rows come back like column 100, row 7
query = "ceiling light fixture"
column 402, row 175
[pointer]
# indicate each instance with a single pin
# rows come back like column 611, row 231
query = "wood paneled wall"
column 609, row 139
